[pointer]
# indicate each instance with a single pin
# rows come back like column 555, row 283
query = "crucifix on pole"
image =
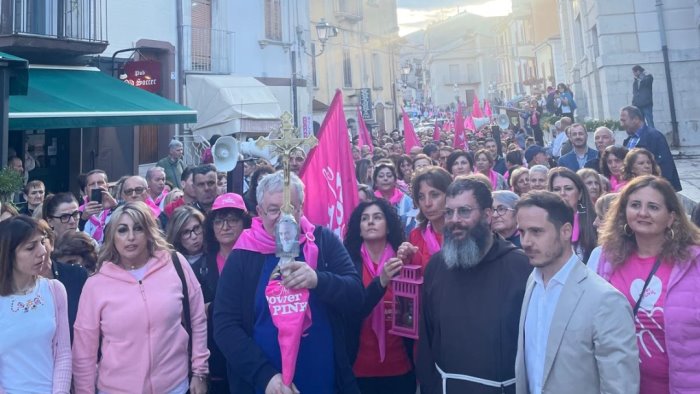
column 284, row 146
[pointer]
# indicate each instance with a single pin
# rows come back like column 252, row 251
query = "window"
column 377, row 82
column 273, row 20
column 201, row 35
column 454, row 73
column 471, row 73
column 347, row 69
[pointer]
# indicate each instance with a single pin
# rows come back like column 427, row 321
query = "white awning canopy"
column 229, row 104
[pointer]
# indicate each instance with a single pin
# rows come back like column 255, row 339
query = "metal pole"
column 4, row 110
column 180, row 59
column 675, row 139
column 295, row 106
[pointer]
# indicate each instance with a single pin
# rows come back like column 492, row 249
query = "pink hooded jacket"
column 682, row 321
column 144, row 345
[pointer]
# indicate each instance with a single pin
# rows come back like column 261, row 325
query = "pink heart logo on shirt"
column 651, row 294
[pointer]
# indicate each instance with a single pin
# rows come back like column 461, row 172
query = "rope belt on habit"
column 473, row 379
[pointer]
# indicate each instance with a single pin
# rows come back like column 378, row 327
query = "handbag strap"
column 657, row 263
column 186, row 319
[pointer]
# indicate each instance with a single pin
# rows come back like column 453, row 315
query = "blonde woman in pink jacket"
column 131, row 312
column 35, row 352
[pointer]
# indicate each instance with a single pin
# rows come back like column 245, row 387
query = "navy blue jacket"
column 339, row 288
column 570, row 161
column 655, row 142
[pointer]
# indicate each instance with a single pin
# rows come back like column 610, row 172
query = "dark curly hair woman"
column 382, row 363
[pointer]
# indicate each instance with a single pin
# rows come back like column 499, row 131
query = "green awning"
column 74, row 97
column 18, row 74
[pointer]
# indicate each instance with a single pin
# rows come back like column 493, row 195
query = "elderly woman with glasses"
column 222, row 227
column 503, row 221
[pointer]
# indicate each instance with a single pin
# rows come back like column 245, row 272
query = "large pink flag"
column 436, row 133
column 409, row 133
column 329, row 173
column 460, row 139
column 487, row 109
column 363, row 132
column 476, row 108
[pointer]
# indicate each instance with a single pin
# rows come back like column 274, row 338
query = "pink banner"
column 409, row 133
column 329, row 173
column 469, row 123
column 363, row 132
column 436, row 133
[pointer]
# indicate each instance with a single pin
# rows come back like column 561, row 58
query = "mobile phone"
column 96, row 195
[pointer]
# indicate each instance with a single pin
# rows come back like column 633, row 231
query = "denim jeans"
column 648, row 113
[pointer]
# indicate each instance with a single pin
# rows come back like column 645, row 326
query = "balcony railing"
column 76, row 20
column 207, row 50
column 348, row 10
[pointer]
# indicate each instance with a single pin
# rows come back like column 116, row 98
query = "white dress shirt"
column 540, row 310
column 557, row 143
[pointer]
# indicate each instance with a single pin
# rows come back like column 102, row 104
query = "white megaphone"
column 225, row 153
column 503, row 121
column 481, row 122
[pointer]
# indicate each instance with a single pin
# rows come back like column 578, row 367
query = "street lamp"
column 405, row 70
column 324, row 31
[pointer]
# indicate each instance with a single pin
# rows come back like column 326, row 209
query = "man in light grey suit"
column 576, row 332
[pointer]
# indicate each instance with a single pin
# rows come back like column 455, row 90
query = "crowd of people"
column 546, row 268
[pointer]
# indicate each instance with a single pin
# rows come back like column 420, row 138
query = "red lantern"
column 406, row 287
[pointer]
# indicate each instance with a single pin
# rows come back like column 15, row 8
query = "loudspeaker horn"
column 503, row 121
column 225, row 153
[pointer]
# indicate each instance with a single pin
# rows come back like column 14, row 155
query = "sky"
column 417, row 14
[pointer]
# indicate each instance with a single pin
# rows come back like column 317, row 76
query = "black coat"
column 469, row 320
column 642, row 95
column 73, row 278
column 655, row 142
column 339, row 288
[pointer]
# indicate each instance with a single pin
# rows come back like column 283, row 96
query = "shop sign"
column 143, row 74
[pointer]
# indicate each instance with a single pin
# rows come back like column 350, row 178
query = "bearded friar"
column 472, row 293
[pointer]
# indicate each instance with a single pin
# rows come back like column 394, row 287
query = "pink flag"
column 329, row 173
column 476, row 108
column 363, row 132
column 469, row 123
column 436, row 133
column 487, row 109
column 409, row 134
column 460, row 139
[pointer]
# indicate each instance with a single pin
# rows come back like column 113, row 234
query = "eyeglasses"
column 196, row 230
column 462, row 212
column 502, row 210
column 66, row 217
column 138, row 190
column 229, row 221
column 275, row 211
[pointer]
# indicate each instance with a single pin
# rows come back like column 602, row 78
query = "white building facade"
column 603, row 40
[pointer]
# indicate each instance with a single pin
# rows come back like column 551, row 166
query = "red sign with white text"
column 143, row 74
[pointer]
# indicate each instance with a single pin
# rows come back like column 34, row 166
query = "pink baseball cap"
column 229, row 200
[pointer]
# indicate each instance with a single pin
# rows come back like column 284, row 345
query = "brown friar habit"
column 469, row 321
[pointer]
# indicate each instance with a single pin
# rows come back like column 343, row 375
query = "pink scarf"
column 256, row 239
column 288, row 308
column 155, row 210
column 616, row 184
column 493, row 177
column 377, row 315
column 575, row 231
column 160, row 198
column 431, row 239
column 395, row 197
column 99, row 221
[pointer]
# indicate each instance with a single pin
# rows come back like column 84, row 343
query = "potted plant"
column 10, row 182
